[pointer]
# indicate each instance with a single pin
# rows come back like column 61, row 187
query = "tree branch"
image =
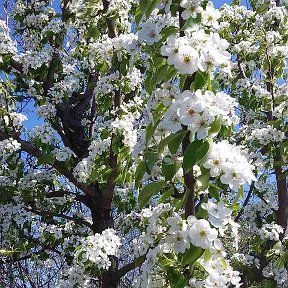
column 246, row 201
column 27, row 147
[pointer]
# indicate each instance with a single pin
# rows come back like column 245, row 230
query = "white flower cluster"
column 45, row 133
column 248, row 260
column 15, row 119
column 84, row 168
column 34, row 177
column 150, row 30
column 198, row 111
column 269, row 231
column 198, row 51
column 6, row 181
column 35, row 59
column 191, row 8
column 6, row 44
column 63, row 153
column 218, row 213
column 12, row 214
column 281, row 111
column 8, row 147
column 47, row 110
column 175, row 235
column 100, row 51
column 127, row 125
column 39, row 12
column 219, row 275
column 279, row 274
column 105, row 84
column 122, row 7
column 266, row 135
column 167, row 94
column 74, row 276
column 65, row 87
column 128, row 42
column 228, row 162
column 98, row 248
column 55, row 26
column 150, row 33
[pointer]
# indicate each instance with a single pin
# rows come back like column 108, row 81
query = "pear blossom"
column 218, row 213
column 192, row 7
column 222, row 161
column 150, row 33
column 200, row 233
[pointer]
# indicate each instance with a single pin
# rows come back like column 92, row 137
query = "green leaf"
column 182, row 283
column 159, row 75
column 151, row 158
column 140, row 171
column 143, row 5
column 46, row 159
column 174, row 144
column 215, row 126
column 200, row 80
column 150, row 7
column 93, row 32
column 269, row 284
column 224, row 263
column 138, row 15
column 148, row 84
column 192, row 254
column 194, row 153
column 207, row 255
column 241, row 191
column 124, row 67
column 158, row 62
column 191, row 22
column 171, row 72
column 148, row 191
column 167, row 31
column 165, row 195
column 168, row 169
column 7, row 252
column 164, row 142
column 204, row 178
column 201, row 213
column 176, row 278
column 179, row 203
column 214, row 191
column 182, row 81
column 150, row 129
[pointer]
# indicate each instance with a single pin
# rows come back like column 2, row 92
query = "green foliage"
column 194, row 153
column 148, row 191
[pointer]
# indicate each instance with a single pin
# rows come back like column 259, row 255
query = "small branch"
column 125, row 269
column 27, row 147
column 189, row 179
column 92, row 117
column 244, row 281
column 246, row 201
column 61, row 193
column 16, row 65
column 110, row 23
column 60, row 215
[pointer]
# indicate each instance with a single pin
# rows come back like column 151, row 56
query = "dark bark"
column 244, row 280
column 282, row 213
column 189, row 179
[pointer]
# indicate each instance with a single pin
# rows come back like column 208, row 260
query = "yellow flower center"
column 202, row 233
column 187, row 59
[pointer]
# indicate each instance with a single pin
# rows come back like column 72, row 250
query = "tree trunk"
column 102, row 219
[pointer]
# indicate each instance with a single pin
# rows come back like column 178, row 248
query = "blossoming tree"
column 159, row 154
